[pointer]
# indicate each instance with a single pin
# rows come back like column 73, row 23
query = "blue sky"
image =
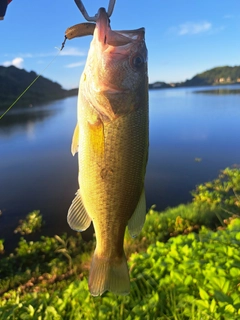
column 184, row 37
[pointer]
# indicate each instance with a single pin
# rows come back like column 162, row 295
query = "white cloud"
column 7, row 63
column 228, row 16
column 71, row 51
column 25, row 55
column 194, row 28
column 17, row 62
column 190, row 28
column 76, row 64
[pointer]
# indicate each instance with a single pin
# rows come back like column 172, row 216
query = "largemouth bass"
column 111, row 138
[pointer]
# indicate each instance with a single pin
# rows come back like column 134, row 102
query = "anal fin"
column 78, row 218
column 137, row 220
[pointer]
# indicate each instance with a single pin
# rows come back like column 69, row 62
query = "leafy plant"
column 1, row 246
column 194, row 276
column 63, row 248
column 32, row 223
column 200, row 271
column 223, row 192
column 183, row 219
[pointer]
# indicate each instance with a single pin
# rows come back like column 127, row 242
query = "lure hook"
column 94, row 18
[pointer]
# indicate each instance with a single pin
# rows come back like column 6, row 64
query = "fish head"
column 116, row 69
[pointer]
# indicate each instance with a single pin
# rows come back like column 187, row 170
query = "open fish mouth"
column 106, row 36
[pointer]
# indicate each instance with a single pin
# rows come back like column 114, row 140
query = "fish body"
column 111, row 138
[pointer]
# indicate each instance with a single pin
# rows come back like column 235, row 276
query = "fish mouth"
column 108, row 37
column 102, row 25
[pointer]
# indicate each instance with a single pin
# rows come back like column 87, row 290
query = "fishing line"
column 34, row 80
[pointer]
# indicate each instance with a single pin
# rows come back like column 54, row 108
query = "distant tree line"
column 14, row 81
column 218, row 75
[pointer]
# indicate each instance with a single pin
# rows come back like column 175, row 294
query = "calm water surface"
column 37, row 170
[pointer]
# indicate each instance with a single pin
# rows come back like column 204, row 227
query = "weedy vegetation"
column 31, row 224
column 184, row 265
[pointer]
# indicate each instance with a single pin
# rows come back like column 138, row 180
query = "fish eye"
column 137, row 61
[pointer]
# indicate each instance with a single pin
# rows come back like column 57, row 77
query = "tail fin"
column 108, row 275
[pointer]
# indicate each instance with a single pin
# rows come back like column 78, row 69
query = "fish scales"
column 112, row 143
column 112, row 185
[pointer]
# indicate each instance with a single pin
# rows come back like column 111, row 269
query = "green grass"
column 184, row 265
column 194, row 276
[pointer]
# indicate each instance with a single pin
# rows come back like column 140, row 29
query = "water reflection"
column 219, row 91
column 30, row 130
column 21, row 119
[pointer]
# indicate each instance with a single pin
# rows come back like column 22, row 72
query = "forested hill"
column 219, row 75
column 14, row 81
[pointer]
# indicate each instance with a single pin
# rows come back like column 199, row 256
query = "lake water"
column 37, row 170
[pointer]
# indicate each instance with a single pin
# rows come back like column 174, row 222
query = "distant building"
column 221, row 80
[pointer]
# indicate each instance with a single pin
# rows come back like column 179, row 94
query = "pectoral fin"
column 78, row 218
column 137, row 220
column 96, row 135
column 75, row 140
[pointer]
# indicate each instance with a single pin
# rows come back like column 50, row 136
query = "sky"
column 183, row 37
